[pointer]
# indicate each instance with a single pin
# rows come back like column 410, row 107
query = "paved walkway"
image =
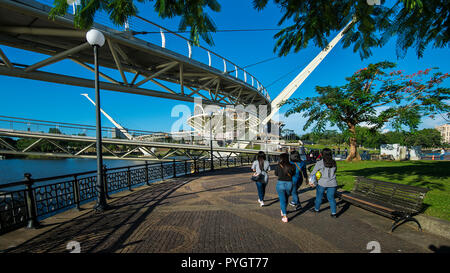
column 218, row 213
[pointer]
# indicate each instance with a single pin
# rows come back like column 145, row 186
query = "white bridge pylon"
column 289, row 90
column 118, row 126
column 301, row 77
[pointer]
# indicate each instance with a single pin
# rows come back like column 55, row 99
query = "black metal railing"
column 27, row 202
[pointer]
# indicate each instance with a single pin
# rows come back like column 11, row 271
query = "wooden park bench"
column 397, row 201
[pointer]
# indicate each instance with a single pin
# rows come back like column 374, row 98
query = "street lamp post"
column 96, row 39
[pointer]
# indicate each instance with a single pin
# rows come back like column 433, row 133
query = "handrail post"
column 220, row 163
column 204, row 164
column 195, row 166
column 31, row 202
column 185, row 167
column 129, row 178
column 76, row 192
column 146, row 173
column 105, row 181
column 174, row 168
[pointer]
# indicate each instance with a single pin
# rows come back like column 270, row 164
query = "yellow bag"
column 318, row 175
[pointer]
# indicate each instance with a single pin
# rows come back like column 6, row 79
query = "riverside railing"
column 27, row 202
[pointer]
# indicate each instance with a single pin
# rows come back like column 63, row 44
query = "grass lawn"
column 433, row 175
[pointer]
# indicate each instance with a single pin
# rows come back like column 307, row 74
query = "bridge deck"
column 215, row 213
column 25, row 24
column 86, row 140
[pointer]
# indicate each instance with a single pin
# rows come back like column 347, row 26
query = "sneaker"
column 292, row 204
column 333, row 216
column 261, row 203
column 314, row 210
column 284, row 219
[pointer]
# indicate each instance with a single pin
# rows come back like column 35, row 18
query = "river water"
column 12, row 170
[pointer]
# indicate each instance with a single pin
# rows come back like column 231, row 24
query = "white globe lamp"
column 95, row 38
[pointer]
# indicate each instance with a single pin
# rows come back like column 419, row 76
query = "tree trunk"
column 353, row 155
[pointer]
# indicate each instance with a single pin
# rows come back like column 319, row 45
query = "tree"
column 192, row 13
column 375, row 97
column 289, row 134
column 368, row 137
column 394, row 137
column 415, row 23
column 429, row 138
column 55, row 131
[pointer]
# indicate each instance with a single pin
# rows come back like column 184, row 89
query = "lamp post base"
column 101, row 207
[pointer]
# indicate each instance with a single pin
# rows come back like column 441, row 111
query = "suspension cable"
column 280, row 78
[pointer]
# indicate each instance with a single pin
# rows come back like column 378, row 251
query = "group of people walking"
column 291, row 172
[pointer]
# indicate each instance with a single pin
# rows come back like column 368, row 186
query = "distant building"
column 445, row 132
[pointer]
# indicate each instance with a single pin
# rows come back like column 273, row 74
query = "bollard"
column 31, row 202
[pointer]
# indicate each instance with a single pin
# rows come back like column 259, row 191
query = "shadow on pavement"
column 441, row 249
column 106, row 231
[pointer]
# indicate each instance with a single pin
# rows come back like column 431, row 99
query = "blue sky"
column 63, row 103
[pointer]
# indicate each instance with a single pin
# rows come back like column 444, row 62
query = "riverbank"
column 12, row 170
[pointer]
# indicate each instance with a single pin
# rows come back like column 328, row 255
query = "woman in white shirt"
column 261, row 167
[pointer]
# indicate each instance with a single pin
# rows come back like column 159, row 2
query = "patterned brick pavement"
column 219, row 213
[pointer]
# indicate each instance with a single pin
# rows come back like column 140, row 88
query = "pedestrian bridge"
column 29, row 137
column 164, row 65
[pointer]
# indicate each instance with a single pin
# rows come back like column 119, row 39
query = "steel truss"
column 71, row 146
column 27, row 27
